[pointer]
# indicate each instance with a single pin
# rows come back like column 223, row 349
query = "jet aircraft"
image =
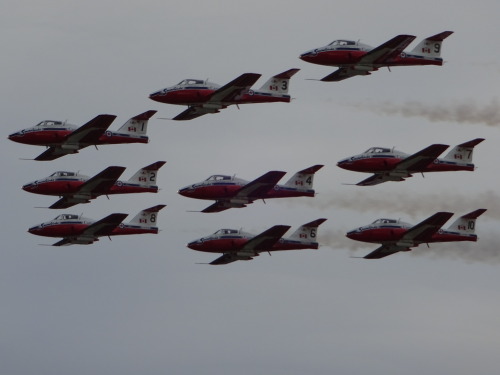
column 204, row 97
column 75, row 188
column 392, row 165
column 354, row 58
column 238, row 245
column 233, row 192
column 395, row 235
column 83, row 231
column 61, row 138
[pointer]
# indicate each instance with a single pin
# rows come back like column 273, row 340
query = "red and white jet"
column 204, row 97
column 238, row 245
column 354, row 58
column 83, row 231
column 75, row 188
column 395, row 235
column 392, row 165
column 62, row 138
column 233, row 192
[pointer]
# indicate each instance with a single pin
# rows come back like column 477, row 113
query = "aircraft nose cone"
column 193, row 245
column 15, row 136
column 353, row 234
column 29, row 187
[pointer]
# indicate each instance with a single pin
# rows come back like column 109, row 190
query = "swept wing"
column 420, row 233
column 97, row 185
column 259, row 243
column 251, row 191
column 84, row 136
column 103, row 227
column 413, row 163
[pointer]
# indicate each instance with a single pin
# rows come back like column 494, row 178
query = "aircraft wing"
column 260, row 185
column 385, row 250
column 104, row 226
column 253, row 190
column 421, row 159
column 423, row 231
column 343, row 73
column 194, row 112
column 265, row 240
column 387, row 50
column 261, row 242
column 235, row 88
column 52, row 153
column 63, row 242
column 375, row 179
column 91, row 131
column 97, row 185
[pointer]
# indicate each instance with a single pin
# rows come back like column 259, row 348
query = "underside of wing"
column 217, row 207
column 421, row 159
column 89, row 133
column 229, row 258
column 344, row 73
column 376, row 179
column 63, row 203
column 194, row 112
column 63, row 242
column 260, row 185
column 423, row 231
column 387, row 51
column 53, row 153
column 235, row 88
column 384, row 251
column 104, row 226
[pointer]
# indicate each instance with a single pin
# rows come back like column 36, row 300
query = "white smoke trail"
column 402, row 204
column 461, row 112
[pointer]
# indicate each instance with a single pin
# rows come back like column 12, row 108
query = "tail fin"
column 467, row 223
column 463, row 152
column 147, row 175
column 431, row 46
column 147, row 217
column 137, row 124
column 308, row 232
column 304, row 179
column 279, row 83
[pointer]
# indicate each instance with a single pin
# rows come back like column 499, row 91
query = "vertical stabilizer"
column 137, row 125
column 463, row 152
column 147, row 217
column 304, row 179
column 467, row 224
column 279, row 83
column 147, row 175
column 431, row 46
column 308, row 232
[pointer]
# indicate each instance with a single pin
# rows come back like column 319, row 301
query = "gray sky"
column 140, row 304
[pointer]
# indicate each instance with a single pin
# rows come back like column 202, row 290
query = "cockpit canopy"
column 340, row 42
column 188, row 82
column 66, row 217
column 226, row 231
column 50, row 123
column 377, row 150
column 218, row 177
column 385, row 221
column 63, row 174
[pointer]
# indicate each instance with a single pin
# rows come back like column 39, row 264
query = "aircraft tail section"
column 308, row 232
column 147, row 217
column 466, row 224
column 137, row 125
column 279, row 83
column 463, row 152
column 431, row 46
column 147, row 175
column 304, row 179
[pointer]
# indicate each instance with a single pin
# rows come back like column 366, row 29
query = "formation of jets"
column 352, row 58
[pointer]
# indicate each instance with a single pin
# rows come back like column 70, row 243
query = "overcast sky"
column 141, row 304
